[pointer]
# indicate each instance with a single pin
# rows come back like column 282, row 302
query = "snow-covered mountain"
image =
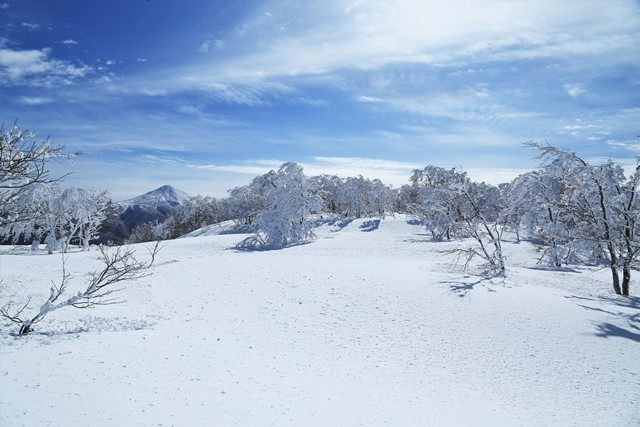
column 153, row 206
column 165, row 194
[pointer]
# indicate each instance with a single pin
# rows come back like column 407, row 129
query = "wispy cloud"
column 390, row 172
column 209, row 44
column 4, row 6
column 631, row 145
column 37, row 67
column 31, row 26
column 464, row 105
column 337, row 86
column 35, row 100
column 574, row 90
column 69, row 42
column 325, row 38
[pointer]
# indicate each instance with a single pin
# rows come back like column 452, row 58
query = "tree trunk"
column 616, row 279
column 626, row 278
column 613, row 262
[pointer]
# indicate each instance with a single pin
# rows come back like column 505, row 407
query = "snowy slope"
column 224, row 227
column 363, row 326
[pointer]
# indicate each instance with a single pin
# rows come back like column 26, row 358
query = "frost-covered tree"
column 328, row 188
column 90, row 213
column 23, row 164
column 245, row 202
column 289, row 202
column 539, row 200
column 194, row 213
column 147, row 232
column 352, row 197
column 428, row 204
column 407, row 198
column 68, row 215
column 46, row 214
column 603, row 208
column 451, row 203
column 381, row 198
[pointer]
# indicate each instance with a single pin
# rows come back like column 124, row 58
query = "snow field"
column 358, row 327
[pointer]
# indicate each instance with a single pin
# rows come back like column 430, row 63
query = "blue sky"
column 205, row 95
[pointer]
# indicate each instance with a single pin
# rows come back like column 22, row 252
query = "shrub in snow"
column 51, row 244
column 289, row 201
column 119, row 265
column 35, row 246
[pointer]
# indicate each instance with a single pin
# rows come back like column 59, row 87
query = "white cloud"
column 69, row 42
column 204, row 47
column 395, row 173
column 31, row 26
column 627, row 145
column 36, row 67
column 141, row 59
column 4, row 6
column 207, row 44
column 466, row 105
column 369, row 99
column 574, row 90
column 314, row 38
column 35, row 100
column 371, row 34
column 578, row 127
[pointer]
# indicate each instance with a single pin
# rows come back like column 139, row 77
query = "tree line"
column 576, row 212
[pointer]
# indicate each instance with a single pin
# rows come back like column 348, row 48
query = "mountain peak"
column 161, row 195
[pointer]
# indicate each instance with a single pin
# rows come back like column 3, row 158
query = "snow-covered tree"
column 245, row 202
column 328, row 188
column 73, row 214
column 451, row 203
column 537, row 200
column 23, row 164
column 91, row 212
column 193, row 214
column 429, row 204
column 602, row 207
column 381, row 198
column 289, row 202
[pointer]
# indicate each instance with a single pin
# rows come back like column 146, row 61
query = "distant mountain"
column 161, row 195
column 156, row 205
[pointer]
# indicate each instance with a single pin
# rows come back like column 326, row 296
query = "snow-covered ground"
column 363, row 326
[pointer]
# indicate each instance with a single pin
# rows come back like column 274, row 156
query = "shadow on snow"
column 606, row 329
column 462, row 287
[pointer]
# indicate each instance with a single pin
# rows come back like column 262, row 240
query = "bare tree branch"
column 119, row 266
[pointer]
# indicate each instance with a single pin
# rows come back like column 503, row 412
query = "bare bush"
column 120, row 265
